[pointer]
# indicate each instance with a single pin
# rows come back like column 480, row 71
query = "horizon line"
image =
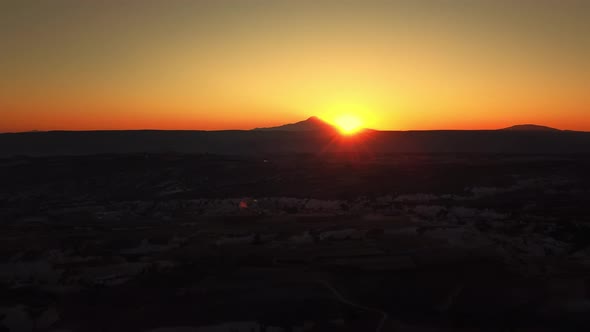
column 549, row 129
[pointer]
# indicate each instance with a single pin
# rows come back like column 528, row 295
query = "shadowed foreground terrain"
column 302, row 242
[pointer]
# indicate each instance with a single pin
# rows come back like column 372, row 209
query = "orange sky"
column 398, row 65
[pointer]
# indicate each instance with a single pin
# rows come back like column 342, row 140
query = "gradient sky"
column 239, row 64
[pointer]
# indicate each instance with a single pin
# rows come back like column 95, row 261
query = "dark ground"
column 338, row 242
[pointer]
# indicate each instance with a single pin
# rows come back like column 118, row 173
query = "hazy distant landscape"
column 307, row 136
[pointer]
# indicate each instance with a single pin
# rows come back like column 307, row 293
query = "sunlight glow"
column 348, row 124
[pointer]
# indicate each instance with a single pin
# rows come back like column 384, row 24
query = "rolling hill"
column 530, row 127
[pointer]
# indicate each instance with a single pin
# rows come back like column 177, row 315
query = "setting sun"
column 348, row 124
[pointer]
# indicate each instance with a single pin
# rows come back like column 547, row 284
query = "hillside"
column 530, row 127
column 311, row 124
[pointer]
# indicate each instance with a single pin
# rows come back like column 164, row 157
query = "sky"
column 240, row 64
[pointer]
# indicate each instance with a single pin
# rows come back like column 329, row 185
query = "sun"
column 348, row 124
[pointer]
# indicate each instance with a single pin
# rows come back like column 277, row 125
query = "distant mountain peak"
column 313, row 123
column 530, row 127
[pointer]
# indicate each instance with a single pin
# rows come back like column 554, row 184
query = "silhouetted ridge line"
column 311, row 124
column 291, row 141
column 530, row 127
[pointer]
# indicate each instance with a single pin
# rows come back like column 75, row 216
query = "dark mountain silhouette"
column 311, row 124
column 530, row 127
column 312, row 136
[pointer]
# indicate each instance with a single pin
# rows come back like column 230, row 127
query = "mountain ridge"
column 530, row 127
column 269, row 142
column 313, row 123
